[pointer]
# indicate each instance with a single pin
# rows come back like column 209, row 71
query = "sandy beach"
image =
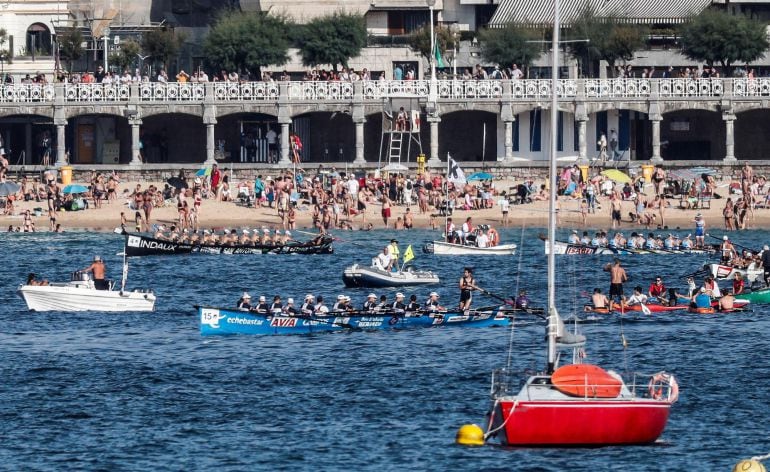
column 217, row 215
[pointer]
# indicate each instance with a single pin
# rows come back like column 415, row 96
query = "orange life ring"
column 663, row 386
column 494, row 238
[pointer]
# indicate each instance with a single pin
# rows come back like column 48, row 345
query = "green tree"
column 162, row 44
column 420, row 40
column 71, row 46
column 127, row 55
column 608, row 38
column 512, row 44
column 716, row 37
column 333, row 39
column 247, row 42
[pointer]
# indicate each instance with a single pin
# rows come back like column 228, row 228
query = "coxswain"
column 467, row 285
column 276, row 307
column 98, row 269
column 522, row 301
column 244, row 303
column 739, row 284
column 413, row 305
column 320, row 307
column 262, row 307
column 398, row 306
column 394, row 253
column 290, row 309
column 727, row 250
column 657, row 289
column 32, row 280
column 573, row 238
column 433, row 304
column 308, row 306
column 370, row 304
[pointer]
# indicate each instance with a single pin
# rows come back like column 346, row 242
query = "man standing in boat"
column 467, row 285
column 98, row 269
column 394, row 253
column 617, row 277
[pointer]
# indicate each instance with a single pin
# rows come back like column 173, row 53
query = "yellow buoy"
column 747, row 465
column 470, row 435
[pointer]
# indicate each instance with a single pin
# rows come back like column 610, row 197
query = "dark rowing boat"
column 141, row 245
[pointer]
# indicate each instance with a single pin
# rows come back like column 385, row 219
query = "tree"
column 71, row 46
column 718, row 37
column 420, row 40
column 333, row 39
column 608, row 38
column 162, row 44
column 247, row 41
column 127, row 55
column 510, row 45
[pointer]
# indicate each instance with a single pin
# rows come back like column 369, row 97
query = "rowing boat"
column 224, row 321
column 563, row 247
column 141, row 245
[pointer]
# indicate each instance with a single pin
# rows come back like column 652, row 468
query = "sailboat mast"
column 447, row 238
column 552, row 175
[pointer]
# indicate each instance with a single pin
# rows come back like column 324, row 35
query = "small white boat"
column 725, row 272
column 360, row 276
column 450, row 249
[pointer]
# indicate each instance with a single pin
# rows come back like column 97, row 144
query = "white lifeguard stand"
column 400, row 128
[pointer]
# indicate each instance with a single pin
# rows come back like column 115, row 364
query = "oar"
column 533, row 311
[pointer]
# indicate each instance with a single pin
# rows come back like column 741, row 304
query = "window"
column 38, row 40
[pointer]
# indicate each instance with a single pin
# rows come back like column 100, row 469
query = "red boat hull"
column 583, row 422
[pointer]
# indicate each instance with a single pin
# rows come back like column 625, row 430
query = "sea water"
column 88, row 391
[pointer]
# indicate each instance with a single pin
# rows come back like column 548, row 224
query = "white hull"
column 82, row 297
column 448, row 249
column 724, row 272
column 358, row 276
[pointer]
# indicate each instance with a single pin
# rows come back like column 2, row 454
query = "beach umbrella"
column 616, row 175
column 204, row 172
column 177, row 183
column 75, row 188
column 8, row 188
column 480, row 176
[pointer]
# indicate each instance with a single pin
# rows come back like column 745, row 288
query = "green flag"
column 439, row 61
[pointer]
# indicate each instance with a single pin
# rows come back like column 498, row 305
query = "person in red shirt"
column 739, row 285
column 216, row 178
column 657, row 289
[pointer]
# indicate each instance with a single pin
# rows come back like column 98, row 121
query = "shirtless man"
column 98, row 269
column 599, row 299
column 467, row 285
column 615, row 211
column 617, row 277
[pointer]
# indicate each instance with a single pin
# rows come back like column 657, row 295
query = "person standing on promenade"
column 617, row 277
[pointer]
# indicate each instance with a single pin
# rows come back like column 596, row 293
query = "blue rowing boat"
column 224, row 321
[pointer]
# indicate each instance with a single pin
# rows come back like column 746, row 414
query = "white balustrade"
column 171, row 92
column 691, row 88
column 320, row 90
column 97, row 92
column 617, row 88
column 247, row 91
column 16, row 93
column 746, row 87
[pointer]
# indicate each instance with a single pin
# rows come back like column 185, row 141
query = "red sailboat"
column 575, row 404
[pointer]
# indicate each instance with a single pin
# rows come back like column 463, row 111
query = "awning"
column 540, row 12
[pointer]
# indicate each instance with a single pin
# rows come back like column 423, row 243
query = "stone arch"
column 98, row 138
column 22, row 135
column 173, row 137
column 692, row 134
column 751, row 140
column 247, row 136
column 461, row 134
column 326, row 136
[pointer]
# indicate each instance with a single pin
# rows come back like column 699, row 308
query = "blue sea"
column 92, row 391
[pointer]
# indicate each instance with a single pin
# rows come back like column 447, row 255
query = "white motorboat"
column 725, row 272
column 360, row 276
column 80, row 294
column 451, row 249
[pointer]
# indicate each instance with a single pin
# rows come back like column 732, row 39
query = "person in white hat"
column 98, row 269
column 290, row 309
column 244, row 303
column 308, row 306
column 398, row 306
column 339, row 305
column 727, row 250
column 432, row 304
column 574, row 238
column 370, row 304
column 262, row 306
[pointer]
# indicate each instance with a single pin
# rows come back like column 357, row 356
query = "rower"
column 573, row 238
column 585, row 239
column 632, row 241
column 290, row 309
column 383, row 304
column 764, row 259
column 686, row 242
column 308, row 306
column 432, row 304
column 596, row 241
column 727, row 250
column 657, row 289
column 398, row 306
column 262, row 307
column 370, row 304
column 412, row 306
column 98, row 269
column 320, row 307
column 277, row 307
column 522, row 301
column 670, row 242
column 637, row 297
column 339, row 305
column 244, row 303
column 245, row 238
column 651, row 243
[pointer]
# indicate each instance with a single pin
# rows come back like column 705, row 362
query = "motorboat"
column 375, row 276
column 81, row 294
column 444, row 248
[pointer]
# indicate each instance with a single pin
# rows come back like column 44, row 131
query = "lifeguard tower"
column 400, row 129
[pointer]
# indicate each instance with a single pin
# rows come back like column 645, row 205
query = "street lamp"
column 433, row 91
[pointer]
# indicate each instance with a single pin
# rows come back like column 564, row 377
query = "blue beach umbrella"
column 204, row 172
column 480, row 176
column 75, row 188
